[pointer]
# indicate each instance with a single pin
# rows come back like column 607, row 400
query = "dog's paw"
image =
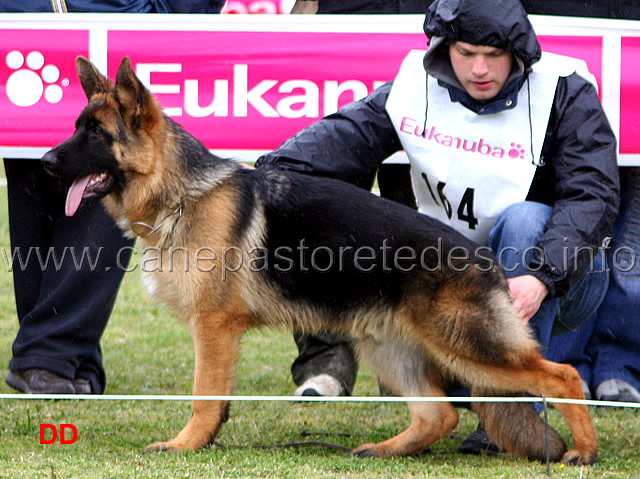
column 367, row 450
column 162, row 447
column 575, row 457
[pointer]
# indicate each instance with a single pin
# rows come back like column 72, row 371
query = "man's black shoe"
column 39, row 381
column 82, row 386
column 478, row 443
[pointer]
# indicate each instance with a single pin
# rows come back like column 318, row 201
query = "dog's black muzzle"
column 50, row 158
column 51, row 162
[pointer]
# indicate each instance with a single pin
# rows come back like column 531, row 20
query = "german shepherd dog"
column 311, row 254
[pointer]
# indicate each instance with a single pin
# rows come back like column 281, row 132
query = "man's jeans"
column 513, row 238
column 611, row 337
column 516, row 232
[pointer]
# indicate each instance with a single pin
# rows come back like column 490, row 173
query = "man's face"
column 481, row 70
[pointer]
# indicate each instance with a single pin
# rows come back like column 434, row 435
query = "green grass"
column 147, row 351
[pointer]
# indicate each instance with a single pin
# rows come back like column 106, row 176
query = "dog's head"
column 114, row 137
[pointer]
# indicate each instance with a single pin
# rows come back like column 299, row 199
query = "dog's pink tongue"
column 74, row 196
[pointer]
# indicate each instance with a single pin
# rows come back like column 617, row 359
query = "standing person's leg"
column 615, row 344
column 326, row 365
column 31, row 229
column 66, row 293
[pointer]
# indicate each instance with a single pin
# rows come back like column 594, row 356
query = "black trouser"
column 333, row 354
column 325, row 353
column 62, row 308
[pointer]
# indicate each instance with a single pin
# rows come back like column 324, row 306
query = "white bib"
column 467, row 168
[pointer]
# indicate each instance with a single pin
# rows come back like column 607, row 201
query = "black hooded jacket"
column 579, row 178
column 494, row 23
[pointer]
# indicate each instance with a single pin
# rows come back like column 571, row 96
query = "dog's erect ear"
column 92, row 80
column 132, row 94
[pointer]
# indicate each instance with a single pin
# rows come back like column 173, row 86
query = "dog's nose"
column 50, row 158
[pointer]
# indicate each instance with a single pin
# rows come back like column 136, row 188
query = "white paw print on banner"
column 31, row 79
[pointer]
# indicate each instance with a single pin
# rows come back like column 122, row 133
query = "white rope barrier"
column 364, row 399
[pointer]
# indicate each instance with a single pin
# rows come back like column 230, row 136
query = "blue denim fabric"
column 517, row 231
column 519, row 228
column 613, row 333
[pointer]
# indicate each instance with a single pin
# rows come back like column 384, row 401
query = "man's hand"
column 527, row 293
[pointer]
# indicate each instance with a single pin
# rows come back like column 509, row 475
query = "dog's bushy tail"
column 517, row 429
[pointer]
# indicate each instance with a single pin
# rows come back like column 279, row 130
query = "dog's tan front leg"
column 216, row 339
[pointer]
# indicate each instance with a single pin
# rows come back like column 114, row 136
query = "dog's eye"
column 98, row 130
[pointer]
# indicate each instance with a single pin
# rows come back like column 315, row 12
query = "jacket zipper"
column 59, row 6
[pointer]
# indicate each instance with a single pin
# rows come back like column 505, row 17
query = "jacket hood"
column 497, row 23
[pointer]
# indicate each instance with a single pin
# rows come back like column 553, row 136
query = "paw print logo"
column 517, row 151
column 32, row 79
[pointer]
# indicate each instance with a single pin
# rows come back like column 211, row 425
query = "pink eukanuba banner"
column 235, row 87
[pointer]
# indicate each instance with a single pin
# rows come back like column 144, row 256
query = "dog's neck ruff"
column 168, row 242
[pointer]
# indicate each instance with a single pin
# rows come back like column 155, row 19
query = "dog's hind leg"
column 404, row 371
column 563, row 381
column 473, row 331
column 539, row 377
column 216, row 338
